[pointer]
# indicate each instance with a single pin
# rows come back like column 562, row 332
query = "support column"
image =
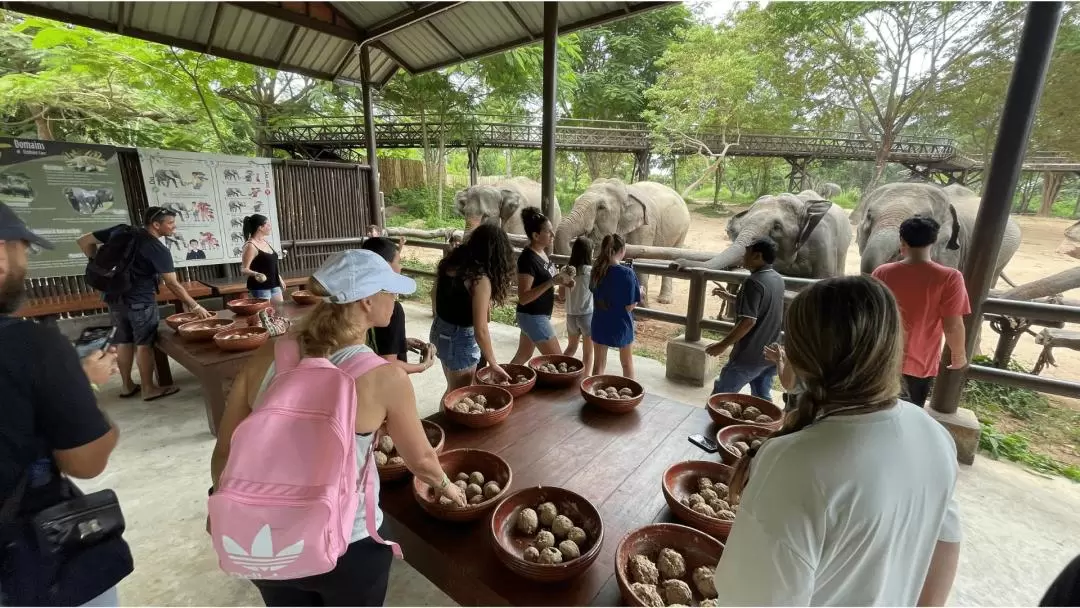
column 1021, row 102
column 547, row 138
column 641, row 165
column 369, row 135
column 797, row 176
column 474, row 165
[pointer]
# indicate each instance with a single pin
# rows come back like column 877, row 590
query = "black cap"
column 12, row 228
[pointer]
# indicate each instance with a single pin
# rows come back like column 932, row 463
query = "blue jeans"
column 735, row 376
column 536, row 327
column 455, row 345
column 265, row 294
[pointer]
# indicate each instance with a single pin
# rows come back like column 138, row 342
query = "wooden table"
column 238, row 286
column 214, row 367
column 52, row 306
column 552, row 438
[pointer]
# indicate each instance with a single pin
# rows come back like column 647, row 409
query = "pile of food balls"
column 561, row 368
column 611, row 392
column 475, row 488
column 712, row 500
column 663, row 582
column 548, row 528
column 386, row 453
column 518, row 379
column 472, row 404
column 747, row 414
column 742, row 447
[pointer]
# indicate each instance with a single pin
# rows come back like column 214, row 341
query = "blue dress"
column 612, row 324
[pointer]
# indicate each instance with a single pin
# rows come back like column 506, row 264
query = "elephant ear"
column 511, row 202
column 813, row 212
column 635, row 212
column 954, row 237
column 733, row 224
column 459, row 201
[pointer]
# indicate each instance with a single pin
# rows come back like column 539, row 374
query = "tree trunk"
column 675, row 174
column 427, row 147
column 507, row 154
column 441, row 168
column 1051, row 187
column 716, row 187
column 44, row 127
column 1046, row 286
column 704, row 174
column 1076, row 207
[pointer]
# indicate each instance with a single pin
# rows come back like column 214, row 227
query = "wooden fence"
column 397, row 173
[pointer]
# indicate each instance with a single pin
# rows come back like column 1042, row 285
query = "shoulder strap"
column 361, row 363
column 286, row 354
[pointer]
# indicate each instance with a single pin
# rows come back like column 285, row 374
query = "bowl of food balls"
column 546, row 534
column 697, row 493
column 391, row 466
column 245, row 307
column 240, row 339
column 735, row 408
column 180, row 318
column 484, row 477
column 737, row 439
column 612, row 393
column 557, row 370
column 478, row 406
column 205, row 330
column 667, row 565
column 522, row 378
column 302, row 297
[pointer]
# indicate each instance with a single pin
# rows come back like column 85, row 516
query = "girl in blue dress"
column 615, row 294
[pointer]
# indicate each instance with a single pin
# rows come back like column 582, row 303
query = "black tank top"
column 453, row 302
column 265, row 263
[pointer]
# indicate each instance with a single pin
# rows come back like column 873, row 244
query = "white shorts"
column 579, row 325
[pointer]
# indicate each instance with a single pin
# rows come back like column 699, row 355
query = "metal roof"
column 320, row 39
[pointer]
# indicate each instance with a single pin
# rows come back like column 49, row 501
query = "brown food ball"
column 521, row 379
column 763, row 419
column 380, row 459
column 704, row 509
column 721, row 490
column 719, row 505
column 482, row 400
column 547, row 513
column 489, row 410
column 544, row 540
column 696, row 498
column 736, row 409
column 551, row 555
column 704, row 483
column 647, row 594
column 462, row 477
column 703, row 581
column 726, row 515
column 386, row 444
column 569, row 550
column 477, row 477
column 445, row 501
column 677, row 592
column 626, row 391
column 561, row 526
column 708, row 604
column 527, row 522
column 396, row 460
column 671, row 564
column 750, row 413
column 473, row 490
column 461, row 484
column 476, row 499
column 643, row 570
column 577, row 535
column 755, row 443
column 741, row 447
column 532, row 554
column 491, row 489
column 709, row 495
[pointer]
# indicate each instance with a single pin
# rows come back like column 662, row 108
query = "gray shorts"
column 579, row 325
column 135, row 323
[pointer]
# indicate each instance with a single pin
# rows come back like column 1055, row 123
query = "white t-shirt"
column 846, row 512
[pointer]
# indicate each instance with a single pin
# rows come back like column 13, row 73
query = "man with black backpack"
column 126, row 264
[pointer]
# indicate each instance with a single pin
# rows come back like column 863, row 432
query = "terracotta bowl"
column 436, row 436
column 557, row 379
column 466, row 461
column 305, row 298
column 728, row 435
column 680, row 481
column 722, row 419
column 486, row 376
column 697, row 548
column 617, row 406
column 245, row 307
column 510, row 544
column 180, row 318
column 497, row 397
column 247, row 338
column 201, row 331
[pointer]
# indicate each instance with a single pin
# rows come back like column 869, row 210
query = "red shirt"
column 927, row 292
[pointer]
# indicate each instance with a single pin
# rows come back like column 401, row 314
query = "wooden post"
column 547, row 136
column 369, row 134
column 695, row 307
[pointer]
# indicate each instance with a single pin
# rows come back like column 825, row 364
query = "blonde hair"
column 328, row 327
column 844, row 339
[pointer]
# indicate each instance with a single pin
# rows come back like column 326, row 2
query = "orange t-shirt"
column 927, row 292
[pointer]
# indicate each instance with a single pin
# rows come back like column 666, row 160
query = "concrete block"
column 964, row 428
column 688, row 362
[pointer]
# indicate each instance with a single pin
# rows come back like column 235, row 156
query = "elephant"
column 643, row 213
column 1071, row 245
column 502, row 202
column 954, row 207
column 812, row 236
column 828, row 190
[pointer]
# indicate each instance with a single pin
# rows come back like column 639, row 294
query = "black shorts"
column 359, row 579
column 135, row 323
column 916, row 390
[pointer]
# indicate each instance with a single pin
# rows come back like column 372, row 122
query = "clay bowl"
column 201, row 331
column 616, row 406
column 557, row 379
column 486, row 376
column 497, row 397
column 436, row 436
column 510, row 544
column 722, row 419
column 697, row 548
column 247, row 338
column 305, row 298
column 680, row 481
column 728, row 435
column 180, row 318
column 466, row 460
column 245, row 307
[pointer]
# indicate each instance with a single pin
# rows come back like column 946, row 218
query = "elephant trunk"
column 882, row 247
column 733, row 255
column 572, row 226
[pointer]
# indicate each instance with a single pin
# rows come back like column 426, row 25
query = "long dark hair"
column 252, row 223
column 844, row 340
column 611, row 245
column 533, row 220
column 581, row 253
column 486, row 253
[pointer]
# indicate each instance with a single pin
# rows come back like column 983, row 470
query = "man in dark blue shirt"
column 135, row 312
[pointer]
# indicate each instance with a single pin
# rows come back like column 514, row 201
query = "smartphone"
column 704, row 443
column 94, row 339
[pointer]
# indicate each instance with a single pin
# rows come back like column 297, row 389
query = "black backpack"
column 109, row 270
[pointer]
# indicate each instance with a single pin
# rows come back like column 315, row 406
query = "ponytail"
column 533, row 220
column 609, row 247
column 252, row 223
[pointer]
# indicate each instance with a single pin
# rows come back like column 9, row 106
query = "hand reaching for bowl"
column 500, row 373
column 453, row 492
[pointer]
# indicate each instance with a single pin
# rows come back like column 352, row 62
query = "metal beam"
column 213, row 28
column 1006, row 162
column 122, row 21
column 280, row 13
column 369, row 128
column 398, row 22
column 288, row 43
column 547, row 137
column 521, row 22
column 442, row 37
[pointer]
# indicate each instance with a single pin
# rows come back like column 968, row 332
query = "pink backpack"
column 285, row 504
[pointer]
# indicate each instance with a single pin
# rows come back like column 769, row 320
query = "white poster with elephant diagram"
column 211, row 195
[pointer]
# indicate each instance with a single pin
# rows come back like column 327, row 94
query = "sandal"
column 132, row 392
column 172, row 390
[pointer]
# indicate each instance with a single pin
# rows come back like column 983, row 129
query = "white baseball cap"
column 355, row 274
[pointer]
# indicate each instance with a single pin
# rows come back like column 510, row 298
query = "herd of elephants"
column 812, row 234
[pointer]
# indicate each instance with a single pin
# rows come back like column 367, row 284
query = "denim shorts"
column 135, row 323
column 455, row 345
column 266, row 294
column 536, row 327
column 579, row 325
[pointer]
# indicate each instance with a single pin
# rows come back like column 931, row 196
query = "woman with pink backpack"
column 294, row 505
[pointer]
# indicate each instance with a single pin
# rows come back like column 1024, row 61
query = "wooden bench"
column 51, row 307
column 1051, row 338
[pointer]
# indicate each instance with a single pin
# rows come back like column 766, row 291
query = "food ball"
column 551, row 555
column 764, row 419
column 473, row 490
column 468, row 401
column 527, row 522
column 532, row 554
column 476, row 477
column 461, row 484
column 671, row 564
column 544, row 540
column 647, row 594
column 677, row 592
column 462, row 477
column 561, row 526
column 489, row 410
column 561, row 367
column 741, row 446
column 643, row 570
column 726, row 515
column 569, row 550
column 482, row 400
column 476, row 409
column 521, row 379
column 709, row 494
column 755, row 443
column 577, row 535
column 445, row 501
column 547, row 513
column 386, row 444
column 703, row 581
column 719, row 505
column 704, row 483
column 627, row 392
column 721, row 490
column 380, row 459
column 396, row 460
column 704, row 509
column 476, row 499
column 491, row 489
column 750, row 412
column 708, row 604
column 696, row 498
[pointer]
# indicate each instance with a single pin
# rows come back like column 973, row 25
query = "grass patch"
column 650, row 353
column 848, row 199
column 505, row 314
column 419, row 209
column 423, row 289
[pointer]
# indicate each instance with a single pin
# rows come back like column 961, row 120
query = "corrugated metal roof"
column 320, row 39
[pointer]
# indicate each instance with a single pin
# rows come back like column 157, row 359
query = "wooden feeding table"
column 49, row 308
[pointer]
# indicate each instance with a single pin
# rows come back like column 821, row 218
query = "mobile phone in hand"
column 704, row 443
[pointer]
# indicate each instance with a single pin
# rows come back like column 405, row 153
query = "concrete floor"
column 1020, row 528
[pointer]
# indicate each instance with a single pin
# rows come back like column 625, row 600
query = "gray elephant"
column 502, row 202
column 812, row 236
column 954, row 207
column 644, row 213
column 1071, row 245
column 828, row 190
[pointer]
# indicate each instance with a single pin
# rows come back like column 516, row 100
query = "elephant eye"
column 777, row 226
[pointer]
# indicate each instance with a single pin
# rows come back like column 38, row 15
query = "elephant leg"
column 643, row 280
column 665, row 290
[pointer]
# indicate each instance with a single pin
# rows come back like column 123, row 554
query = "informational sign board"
column 211, row 194
column 62, row 190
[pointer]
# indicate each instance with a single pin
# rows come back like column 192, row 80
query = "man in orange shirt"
column 933, row 301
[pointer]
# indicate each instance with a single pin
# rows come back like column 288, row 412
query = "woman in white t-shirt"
column 851, row 502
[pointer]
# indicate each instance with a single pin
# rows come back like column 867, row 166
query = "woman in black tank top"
column 260, row 261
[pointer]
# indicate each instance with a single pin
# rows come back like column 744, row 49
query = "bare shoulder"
column 383, row 380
